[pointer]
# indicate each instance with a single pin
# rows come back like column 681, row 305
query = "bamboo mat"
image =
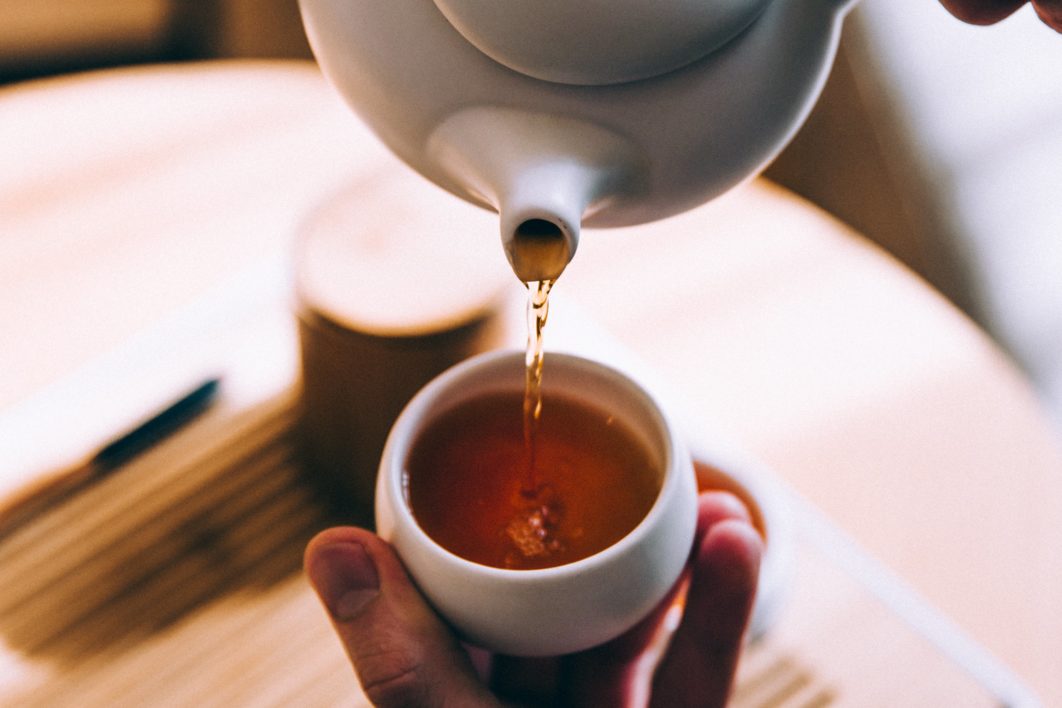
column 176, row 582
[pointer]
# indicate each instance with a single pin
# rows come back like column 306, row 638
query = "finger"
column 1050, row 11
column 402, row 653
column 982, row 12
column 715, row 507
column 698, row 668
column 525, row 681
column 619, row 672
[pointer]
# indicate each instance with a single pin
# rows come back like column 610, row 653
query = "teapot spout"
column 543, row 174
column 539, row 249
column 541, row 215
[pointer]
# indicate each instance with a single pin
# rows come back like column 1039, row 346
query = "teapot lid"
column 598, row 42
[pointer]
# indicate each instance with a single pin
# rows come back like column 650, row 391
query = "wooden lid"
column 393, row 255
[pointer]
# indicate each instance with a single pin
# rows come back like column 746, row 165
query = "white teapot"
column 557, row 113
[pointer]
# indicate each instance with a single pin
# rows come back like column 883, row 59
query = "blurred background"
column 940, row 141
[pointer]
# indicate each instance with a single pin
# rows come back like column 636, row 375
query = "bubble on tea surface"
column 535, row 529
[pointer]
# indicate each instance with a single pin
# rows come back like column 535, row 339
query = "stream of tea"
column 537, row 314
column 533, row 530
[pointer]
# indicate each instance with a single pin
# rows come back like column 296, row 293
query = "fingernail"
column 733, row 504
column 345, row 578
column 723, row 504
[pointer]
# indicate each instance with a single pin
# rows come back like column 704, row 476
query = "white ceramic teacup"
column 564, row 608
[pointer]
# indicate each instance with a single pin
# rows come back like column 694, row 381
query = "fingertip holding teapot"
column 559, row 114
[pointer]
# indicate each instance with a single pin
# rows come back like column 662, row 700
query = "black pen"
column 29, row 502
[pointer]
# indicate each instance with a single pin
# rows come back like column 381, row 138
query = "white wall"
column 983, row 106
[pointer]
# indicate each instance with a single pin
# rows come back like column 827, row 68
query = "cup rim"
column 408, row 422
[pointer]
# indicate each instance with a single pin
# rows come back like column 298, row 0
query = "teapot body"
column 628, row 152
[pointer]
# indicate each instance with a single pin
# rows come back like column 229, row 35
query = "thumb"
column 401, row 651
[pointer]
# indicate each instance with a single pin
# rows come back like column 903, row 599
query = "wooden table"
column 126, row 195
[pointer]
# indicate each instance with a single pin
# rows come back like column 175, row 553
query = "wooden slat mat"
column 176, row 582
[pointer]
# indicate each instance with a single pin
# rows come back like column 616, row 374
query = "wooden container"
column 385, row 300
